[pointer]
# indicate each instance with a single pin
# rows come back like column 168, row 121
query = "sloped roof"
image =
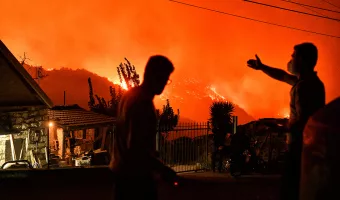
column 77, row 116
column 17, row 87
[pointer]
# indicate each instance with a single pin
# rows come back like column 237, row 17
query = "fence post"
column 207, row 145
column 235, row 122
column 158, row 138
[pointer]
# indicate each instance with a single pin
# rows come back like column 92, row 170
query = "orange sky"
column 97, row 35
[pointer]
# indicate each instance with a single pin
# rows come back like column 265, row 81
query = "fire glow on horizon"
column 116, row 82
column 211, row 92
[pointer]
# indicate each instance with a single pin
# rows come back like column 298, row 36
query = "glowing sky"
column 97, row 35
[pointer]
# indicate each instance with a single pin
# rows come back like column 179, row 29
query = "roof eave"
column 20, row 69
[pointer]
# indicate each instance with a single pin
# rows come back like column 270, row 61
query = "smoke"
column 213, row 47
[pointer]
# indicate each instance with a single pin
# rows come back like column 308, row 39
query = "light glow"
column 50, row 124
column 117, row 82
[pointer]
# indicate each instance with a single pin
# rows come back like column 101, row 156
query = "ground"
column 97, row 184
column 208, row 185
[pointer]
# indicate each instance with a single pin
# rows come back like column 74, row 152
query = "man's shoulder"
column 310, row 84
column 134, row 99
column 132, row 95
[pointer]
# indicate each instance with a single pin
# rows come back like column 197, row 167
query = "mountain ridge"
column 189, row 97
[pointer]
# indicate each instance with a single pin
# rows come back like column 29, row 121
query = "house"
column 23, row 114
column 74, row 130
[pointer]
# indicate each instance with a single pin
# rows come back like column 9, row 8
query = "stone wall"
column 24, row 125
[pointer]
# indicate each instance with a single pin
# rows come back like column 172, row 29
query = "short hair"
column 158, row 65
column 308, row 52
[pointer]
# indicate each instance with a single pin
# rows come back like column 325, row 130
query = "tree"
column 92, row 102
column 128, row 75
column 167, row 120
column 221, row 118
column 39, row 73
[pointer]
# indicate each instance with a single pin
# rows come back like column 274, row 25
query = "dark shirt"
column 219, row 139
column 307, row 96
column 239, row 142
column 135, row 135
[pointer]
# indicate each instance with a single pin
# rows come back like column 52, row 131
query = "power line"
column 252, row 19
column 310, row 6
column 331, row 4
column 296, row 11
column 305, row 7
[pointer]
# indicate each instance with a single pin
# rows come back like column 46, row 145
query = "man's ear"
column 300, row 60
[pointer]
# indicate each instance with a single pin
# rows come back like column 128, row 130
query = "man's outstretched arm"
column 275, row 73
column 279, row 74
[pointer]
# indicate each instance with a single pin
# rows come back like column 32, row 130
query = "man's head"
column 157, row 73
column 304, row 59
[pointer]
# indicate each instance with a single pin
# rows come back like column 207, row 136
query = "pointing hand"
column 255, row 64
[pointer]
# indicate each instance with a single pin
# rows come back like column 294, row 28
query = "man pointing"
column 306, row 97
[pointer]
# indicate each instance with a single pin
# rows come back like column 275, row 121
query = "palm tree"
column 221, row 113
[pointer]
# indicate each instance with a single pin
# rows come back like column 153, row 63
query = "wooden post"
column 104, row 132
column 11, row 138
column 207, row 145
column 22, row 149
column 47, row 149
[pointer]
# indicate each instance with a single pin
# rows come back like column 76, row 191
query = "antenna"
column 39, row 74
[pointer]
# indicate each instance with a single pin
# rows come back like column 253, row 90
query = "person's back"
column 135, row 108
column 307, row 97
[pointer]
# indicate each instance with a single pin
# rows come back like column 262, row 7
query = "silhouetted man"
column 239, row 143
column 217, row 154
column 134, row 152
column 306, row 97
column 221, row 152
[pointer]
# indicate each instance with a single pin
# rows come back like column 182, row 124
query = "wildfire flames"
column 116, row 82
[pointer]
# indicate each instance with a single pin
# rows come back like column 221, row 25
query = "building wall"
column 25, row 124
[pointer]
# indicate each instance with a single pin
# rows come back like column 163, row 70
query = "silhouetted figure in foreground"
column 320, row 165
column 217, row 154
column 134, row 153
column 306, row 97
column 239, row 143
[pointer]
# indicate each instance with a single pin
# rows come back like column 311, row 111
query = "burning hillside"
column 191, row 96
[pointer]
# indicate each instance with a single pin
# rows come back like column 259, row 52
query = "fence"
column 185, row 147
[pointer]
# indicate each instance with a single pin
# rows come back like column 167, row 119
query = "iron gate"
column 185, row 147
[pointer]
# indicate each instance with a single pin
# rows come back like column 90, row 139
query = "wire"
column 252, row 19
column 296, row 11
column 306, row 5
column 331, row 4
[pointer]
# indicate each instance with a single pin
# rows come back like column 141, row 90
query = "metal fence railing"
column 185, row 147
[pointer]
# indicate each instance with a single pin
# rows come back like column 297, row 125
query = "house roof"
column 17, row 87
column 76, row 116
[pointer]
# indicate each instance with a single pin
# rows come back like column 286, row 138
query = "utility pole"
column 64, row 98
